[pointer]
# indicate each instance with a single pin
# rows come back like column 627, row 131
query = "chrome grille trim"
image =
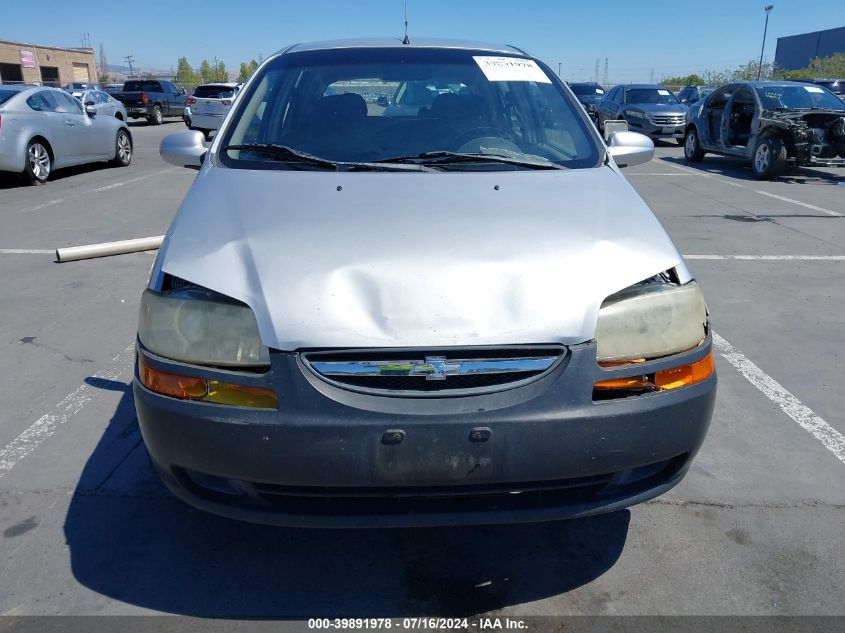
column 667, row 119
column 434, row 367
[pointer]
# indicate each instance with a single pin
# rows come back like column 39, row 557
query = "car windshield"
column 584, row 90
column 833, row 86
column 649, row 95
column 5, row 95
column 443, row 100
column 798, row 97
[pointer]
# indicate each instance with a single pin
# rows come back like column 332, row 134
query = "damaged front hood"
column 416, row 259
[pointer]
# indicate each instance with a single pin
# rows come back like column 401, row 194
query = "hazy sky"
column 669, row 37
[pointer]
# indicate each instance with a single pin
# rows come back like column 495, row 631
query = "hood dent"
column 394, row 261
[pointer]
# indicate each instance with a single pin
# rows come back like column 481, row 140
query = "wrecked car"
column 461, row 314
column 773, row 125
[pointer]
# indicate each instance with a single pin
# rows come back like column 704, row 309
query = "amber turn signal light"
column 662, row 380
column 194, row 388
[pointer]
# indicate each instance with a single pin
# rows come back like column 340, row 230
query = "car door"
column 605, row 105
column 710, row 123
column 85, row 136
column 46, row 122
column 172, row 96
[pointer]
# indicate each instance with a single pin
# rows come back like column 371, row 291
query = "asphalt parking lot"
column 756, row 527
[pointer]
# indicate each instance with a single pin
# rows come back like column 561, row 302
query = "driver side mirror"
column 183, row 149
column 90, row 108
column 629, row 148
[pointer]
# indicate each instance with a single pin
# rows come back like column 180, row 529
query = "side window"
column 168, row 87
column 102, row 97
column 720, row 99
column 683, row 94
column 39, row 103
column 67, row 104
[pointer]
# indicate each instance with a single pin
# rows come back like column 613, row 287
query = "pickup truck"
column 152, row 99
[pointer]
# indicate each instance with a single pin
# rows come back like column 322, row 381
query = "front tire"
column 156, row 118
column 122, row 149
column 692, row 147
column 39, row 164
column 769, row 159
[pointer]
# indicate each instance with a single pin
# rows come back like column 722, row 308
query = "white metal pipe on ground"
column 74, row 253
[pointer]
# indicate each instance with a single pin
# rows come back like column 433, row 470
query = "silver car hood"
column 416, row 259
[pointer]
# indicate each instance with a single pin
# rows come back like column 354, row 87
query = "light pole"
column 768, row 8
column 558, row 68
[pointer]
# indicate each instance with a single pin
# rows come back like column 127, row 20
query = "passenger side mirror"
column 90, row 108
column 629, row 148
column 183, row 149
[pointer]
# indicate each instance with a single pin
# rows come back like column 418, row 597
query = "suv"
column 836, row 86
column 771, row 124
column 208, row 106
column 463, row 314
column 650, row 109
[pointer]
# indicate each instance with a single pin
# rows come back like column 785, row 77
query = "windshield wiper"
column 284, row 153
column 445, row 157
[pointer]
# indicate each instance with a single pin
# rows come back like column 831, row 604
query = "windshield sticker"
column 813, row 89
column 665, row 93
column 511, row 69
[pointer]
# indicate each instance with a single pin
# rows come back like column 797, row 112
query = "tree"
column 820, row 67
column 246, row 70
column 184, row 73
column 688, row 80
column 206, row 73
column 220, row 73
column 103, row 75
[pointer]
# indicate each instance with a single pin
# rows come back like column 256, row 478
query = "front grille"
column 666, row 119
column 434, row 371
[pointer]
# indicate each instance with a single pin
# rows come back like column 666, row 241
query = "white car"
column 43, row 129
column 209, row 105
column 103, row 103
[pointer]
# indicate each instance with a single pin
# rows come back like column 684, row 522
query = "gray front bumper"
column 321, row 459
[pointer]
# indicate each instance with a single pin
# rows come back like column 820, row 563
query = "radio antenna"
column 406, row 40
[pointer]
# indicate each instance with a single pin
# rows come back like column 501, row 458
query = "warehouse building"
column 46, row 65
column 796, row 51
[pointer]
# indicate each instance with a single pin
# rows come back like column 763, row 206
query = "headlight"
column 650, row 320
column 636, row 114
column 195, row 325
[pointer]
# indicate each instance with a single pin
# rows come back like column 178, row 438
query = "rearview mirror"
column 629, row 148
column 183, row 149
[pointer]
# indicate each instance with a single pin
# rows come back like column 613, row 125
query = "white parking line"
column 68, row 407
column 105, row 188
column 811, row 258
column 703, row 174
column 646, row 173
column 830, row 438
column 799, row 203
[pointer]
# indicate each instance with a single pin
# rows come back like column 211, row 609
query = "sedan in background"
column 649, row 109
column 42, row 129
column 772, row 124
column 589, row 95
column 103, row 103
column 208, row 106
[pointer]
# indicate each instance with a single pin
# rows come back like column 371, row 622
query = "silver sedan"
column 42, row 129
column 103, row 103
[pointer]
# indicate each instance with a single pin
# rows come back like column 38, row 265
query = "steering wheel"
column 483, row 131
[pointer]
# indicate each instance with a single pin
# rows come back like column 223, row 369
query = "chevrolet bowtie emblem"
column 435, row 368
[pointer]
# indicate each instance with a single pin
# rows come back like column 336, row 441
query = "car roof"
column 394, row 42
column 17, row 87
column 641, row 86
column 219, row 84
